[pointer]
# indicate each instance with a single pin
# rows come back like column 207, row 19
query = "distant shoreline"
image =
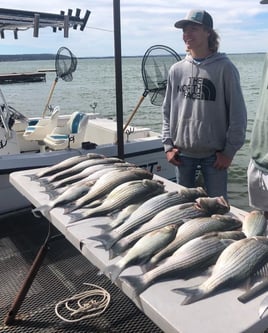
column 45, row 56
column 48, row 56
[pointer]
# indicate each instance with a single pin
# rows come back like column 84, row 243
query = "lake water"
column 94, row 84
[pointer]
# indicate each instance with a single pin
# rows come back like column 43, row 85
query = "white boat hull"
column 143, row 150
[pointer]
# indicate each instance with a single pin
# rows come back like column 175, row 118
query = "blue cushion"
column 76, row 121
column 59, row 136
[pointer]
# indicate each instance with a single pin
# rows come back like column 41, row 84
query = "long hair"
column 213, row 40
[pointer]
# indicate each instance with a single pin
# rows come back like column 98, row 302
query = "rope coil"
column 87, row 304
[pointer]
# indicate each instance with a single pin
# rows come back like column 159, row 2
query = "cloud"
column 242, row 26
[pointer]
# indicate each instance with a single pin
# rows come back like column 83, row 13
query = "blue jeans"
column 215, row 181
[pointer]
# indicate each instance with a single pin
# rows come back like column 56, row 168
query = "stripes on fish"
column 190, row 259
column 123, row 195
column 239, row 262
column 195, row 228
column 77, row 168
column 141, row 252
column 255, row 224
column 175, row 214
column 92, row 172
column 107, row 182
column 147, row 211
column 67, row 163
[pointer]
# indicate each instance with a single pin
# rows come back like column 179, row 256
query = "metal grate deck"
column 62, row 275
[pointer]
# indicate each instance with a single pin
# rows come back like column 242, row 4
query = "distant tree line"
column 22, row 57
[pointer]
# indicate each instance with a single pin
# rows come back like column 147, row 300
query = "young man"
column 204, row 113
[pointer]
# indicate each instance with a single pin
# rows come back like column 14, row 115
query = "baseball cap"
column 196, row 16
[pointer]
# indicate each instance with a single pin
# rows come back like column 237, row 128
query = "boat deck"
column 62, row 275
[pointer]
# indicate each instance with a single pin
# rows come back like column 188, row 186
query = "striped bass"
column 79, row 167
column 123, row 195
column 67, row 196
column 191, row 258
column 147, row 211
column 107, row 182
column 67, row 163
column 95, row 170
column 239, row 262
column 141, row 252
column 175, row 214
column 195, row 228
column 255, row 224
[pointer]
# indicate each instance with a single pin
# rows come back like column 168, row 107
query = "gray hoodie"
column 204, row 110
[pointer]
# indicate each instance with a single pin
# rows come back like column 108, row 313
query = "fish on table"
column 77, row 168
column 107, row 182
column 241, row 261
column 121, row 196
column 178, row 214
column 193, row 257
column 255, row 224
column 92, row 172
column 67, row 196
column 197, row 227
column 147, row 211
column 142, row 251
column 65, row 164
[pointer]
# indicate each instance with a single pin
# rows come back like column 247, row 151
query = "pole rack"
column 13, row 19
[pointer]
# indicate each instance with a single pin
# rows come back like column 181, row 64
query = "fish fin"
column 137, row 282
column 107, row 240
column 193, row 294
column 93, row 204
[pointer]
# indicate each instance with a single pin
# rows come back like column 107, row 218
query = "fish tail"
column 106, row 239
column 192, row 294
column 113, row 271
column 41, row 209
column 137, row 282
column 147, row 266
column 52, row 193
column 104, row 227
column 43, row 181
column 70, row 208
column 118, row 248
column 76, row 217
column 32, row 177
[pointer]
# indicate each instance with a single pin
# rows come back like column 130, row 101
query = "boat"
column 42, row 141
column 36, row 142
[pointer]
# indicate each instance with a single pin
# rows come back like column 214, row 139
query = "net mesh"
column 65, row 64
column 155, row 66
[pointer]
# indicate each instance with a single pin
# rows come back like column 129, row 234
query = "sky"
column 242, row 26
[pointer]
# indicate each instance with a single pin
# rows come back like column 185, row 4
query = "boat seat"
column 72, row 135
column 38, row 129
